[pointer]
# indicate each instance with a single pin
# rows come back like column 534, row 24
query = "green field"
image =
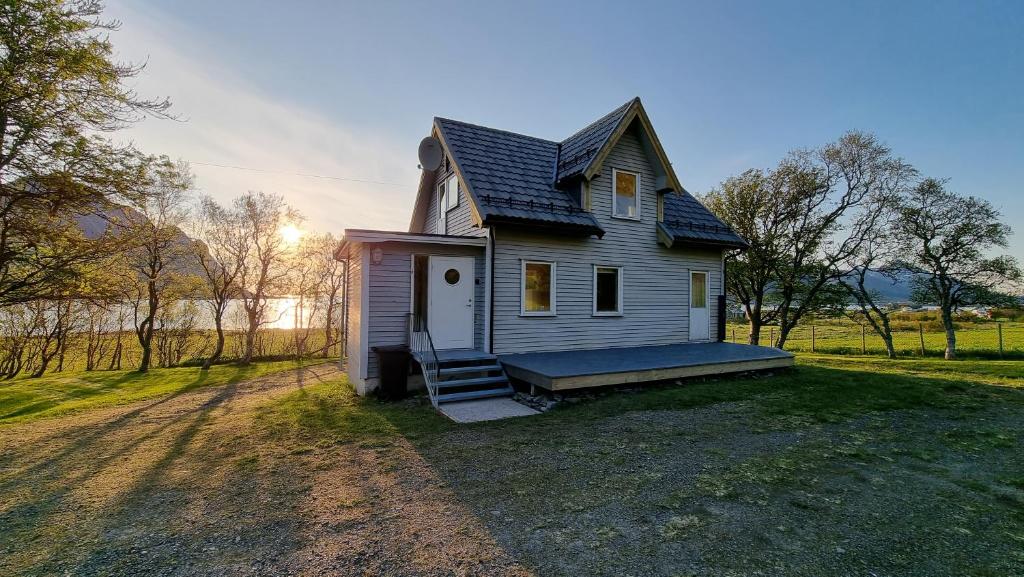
column 180, row 349
column 25, row 398
column 841, row 336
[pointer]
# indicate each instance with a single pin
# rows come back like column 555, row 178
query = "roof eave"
column 566, row 228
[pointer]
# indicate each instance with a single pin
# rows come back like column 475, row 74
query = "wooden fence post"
column 734, row 334
column 771, row 336
column 920, row 331
column 999, row 326
column 812, row 339
column 863, row 340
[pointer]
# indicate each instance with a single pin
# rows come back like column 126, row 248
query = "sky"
column 326, row 102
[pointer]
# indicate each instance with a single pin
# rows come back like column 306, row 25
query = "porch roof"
column 353, row 235
column 621, row 365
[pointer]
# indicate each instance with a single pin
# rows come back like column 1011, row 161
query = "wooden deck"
column 615, row 366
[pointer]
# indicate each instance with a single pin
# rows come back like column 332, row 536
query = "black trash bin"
column 393, row 365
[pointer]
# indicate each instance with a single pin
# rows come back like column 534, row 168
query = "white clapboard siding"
column 655, row 278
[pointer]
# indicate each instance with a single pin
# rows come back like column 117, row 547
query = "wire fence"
column 987, row 340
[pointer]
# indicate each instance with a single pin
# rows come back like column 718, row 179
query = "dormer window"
column 625, row 194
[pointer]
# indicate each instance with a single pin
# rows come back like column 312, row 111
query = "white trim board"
column 374, row 236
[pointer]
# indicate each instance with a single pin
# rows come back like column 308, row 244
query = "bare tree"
column 161, row 250
column 804, row 220
column 753, row 205
column 876, row 255
column 57, row 322
column 223, row 248
column 946, row 237
column 836, row 189
column 264, row 271
column 98, row 326
column 21, row 324
column 333, row 285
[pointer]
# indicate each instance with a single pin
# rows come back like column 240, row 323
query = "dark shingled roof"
column 687, row 220
column 511, row 176
column 580, row 148
column 512, row 179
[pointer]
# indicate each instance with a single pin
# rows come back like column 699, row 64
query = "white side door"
column 450, row 297
column 700, row 315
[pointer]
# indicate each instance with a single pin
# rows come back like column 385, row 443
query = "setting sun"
column 291, row 234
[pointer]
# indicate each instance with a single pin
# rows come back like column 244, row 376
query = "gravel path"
column 182, row 486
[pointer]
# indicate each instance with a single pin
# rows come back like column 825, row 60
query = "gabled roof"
column 689, row 222
column 580, row 148
column 511, row 176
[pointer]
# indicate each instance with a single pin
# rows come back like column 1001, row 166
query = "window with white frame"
column 442, row 208
column 625, row 194
column 607, row 290
column 447, row 199
column 537, row 296
column 452, row 185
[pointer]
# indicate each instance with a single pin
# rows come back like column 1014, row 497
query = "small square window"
column 607, row 290
column 625, row 194
column 538, row 288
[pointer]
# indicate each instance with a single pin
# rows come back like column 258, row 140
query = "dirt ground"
column 194, row 485
column 180, row 486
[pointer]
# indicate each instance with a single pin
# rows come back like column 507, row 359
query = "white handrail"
column 422, row 346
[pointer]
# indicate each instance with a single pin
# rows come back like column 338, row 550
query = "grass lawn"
column 843, row 466
column 53, row 394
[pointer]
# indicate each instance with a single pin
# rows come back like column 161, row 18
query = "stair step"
column 477, row 382
column 507, row 391
column 470, row 369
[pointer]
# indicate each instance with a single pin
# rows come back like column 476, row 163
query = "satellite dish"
column 430, row 153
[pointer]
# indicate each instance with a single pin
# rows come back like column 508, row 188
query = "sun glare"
column 291, row 233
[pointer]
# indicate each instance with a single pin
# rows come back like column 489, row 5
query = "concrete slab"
column 485, row 410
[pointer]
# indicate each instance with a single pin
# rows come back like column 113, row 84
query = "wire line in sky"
column 305, row 174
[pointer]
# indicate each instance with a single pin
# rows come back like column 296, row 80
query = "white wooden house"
column 560, row 264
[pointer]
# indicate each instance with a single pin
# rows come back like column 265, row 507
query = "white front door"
column 450, row 291
column 700, row 317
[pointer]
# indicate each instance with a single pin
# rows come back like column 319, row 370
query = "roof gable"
column 514, row 178
column 579, row 150
column 510, row 177
column 612, row 127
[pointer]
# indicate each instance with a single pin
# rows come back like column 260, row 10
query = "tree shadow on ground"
column 109, row 475
column 699, row 478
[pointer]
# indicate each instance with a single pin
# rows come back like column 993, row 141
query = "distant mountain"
column 101, row 222
column 891, row 290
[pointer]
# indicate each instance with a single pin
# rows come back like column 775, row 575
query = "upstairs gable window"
column 625, row 194
column 442, row 208
column 447, row 199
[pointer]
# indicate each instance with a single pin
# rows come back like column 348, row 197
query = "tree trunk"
column 145, row 330
column 754, row 337
column 219, row 347
column 890, row 350
column 947, row 322
column 327, row 332
column 250, row 342
column 784, row 330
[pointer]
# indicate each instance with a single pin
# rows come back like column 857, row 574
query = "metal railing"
column 422, row 346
